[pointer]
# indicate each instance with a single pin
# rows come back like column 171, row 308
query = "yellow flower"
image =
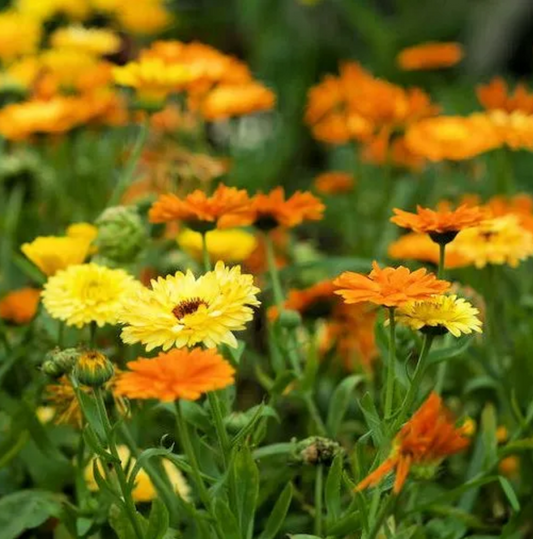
column 87, row 293
column 515, row 129
column 226, row 245
column 95, row 41
column 501, row 240
column 439, row 315
column 43, row 10
column 19, row 35
column 53, row 253
column 144, row 490
column 21, row 73
column 84, row 231
column 68, row 66
column 182, row 310
column 143, row 16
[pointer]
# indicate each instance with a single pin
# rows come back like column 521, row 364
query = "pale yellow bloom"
column 45, row 9
column 94, row 41
column 19, row 35
column 68, row 65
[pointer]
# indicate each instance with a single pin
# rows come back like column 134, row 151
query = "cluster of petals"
column 430, row 55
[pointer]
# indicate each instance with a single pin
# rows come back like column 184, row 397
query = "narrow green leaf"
column 372, row 419
column 452, row 352
column 254, row 414
column 333, row 490
column 146, row 455
column 278, row 514
column 509, row 492
column 339, row 403
column 226, row 519
column 490, row 442
column 346, row 525
column 247, row 488
column 158, row 521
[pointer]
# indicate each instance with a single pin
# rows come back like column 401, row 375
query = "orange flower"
column 496, row 95
column 430, row 55
column 452, row 137
column 514, row 129
column 20, row 306
column 389, row 287
column 424, row 441
column 334, row 183
column 227, row 207
column 520, row 205
column 178, row 374
column 273, row 209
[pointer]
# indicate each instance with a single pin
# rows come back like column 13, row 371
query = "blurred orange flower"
column 20, row 306
column 178, row 374
column 389, row 287
column 514, row 129
column 334, row 183
column 425, row 440
column 496, row 95
column 431, row 55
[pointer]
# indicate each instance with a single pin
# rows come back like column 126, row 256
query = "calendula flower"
column 19, row 35
column 452, row 137
column 389, row 148
column 233, row 245
column 20, row 306
column 334, row 183
column 143, row 490
column 439, row 315
column 274, row 209
column 509, row 466
column 178, row 374
column 515, row 129
column 53, row 253
column 182, row 310
column 64, row 69
column 390, row 287
column 83, row 231
column 421, row 445
column 227, row 207
column 93, row 369
column 501, row 240
column 496, row 95
column 43, row 10
column 87, row 293
column 520, row 205
column 431, row 55
column 95, row 41
column 143, row 17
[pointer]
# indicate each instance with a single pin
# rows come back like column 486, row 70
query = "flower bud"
column 93, row 369
column 290, row 319
column 317, row 450
column 121, row 235
column 58, row 362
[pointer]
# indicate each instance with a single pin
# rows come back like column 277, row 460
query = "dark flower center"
column 187, row 306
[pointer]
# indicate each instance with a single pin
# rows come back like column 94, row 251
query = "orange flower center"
column 187, row 306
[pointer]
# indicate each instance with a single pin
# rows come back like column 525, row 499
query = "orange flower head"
column 334, row 183
column 424, row 441
column 274, row 209
column 20, row 306
column 496, row 95
column 389, row 287
column 178, row 374
column 227, row 207
column 514, row 129
column 430, row 55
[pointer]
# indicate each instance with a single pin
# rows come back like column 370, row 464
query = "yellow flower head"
column 152, row 78
column 143, row 16
column 19, row 35
column 43, row 10
column 87, row 293
column 84, row 231
column 144, row 490
column 53, row 253
column 94, row 41
column 226, row 245
column 439, row 315
column 68, row 66
column 182, row 310
column 502, row 240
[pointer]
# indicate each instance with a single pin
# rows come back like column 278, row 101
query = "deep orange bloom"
column 178, row 374
column 227, row 207
column 389, row 287
column 334, row 183
column 425, row 440
column 274, row 209
column 430, row 221
column 496, row 95
column 20, row 306
column 431, row 55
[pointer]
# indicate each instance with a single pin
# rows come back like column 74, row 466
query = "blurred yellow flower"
column 19, row 35
column 143, row 490
column 46, row 9
column 87, row 293
column 143, row 16
column 226, row 245
column 67, row 66
column 94, row 41
column 515, row 129
column 84, row 231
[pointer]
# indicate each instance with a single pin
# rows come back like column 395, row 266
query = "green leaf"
column 120, row 523
column 340, row 401
column 303, row 536
column 346, row 525
column 90, row 411
column 196, row 415
column 509, row 492
column 255, row 414
column 278, row 514
column 146, row 455
column 333, row 490
column 158, row 521
column 83, row 525
column 247, row 488
column 372, row 419
column 281, row 382
column 490, row 442
column 26, row 510
column 226, row 520
column 451, row 352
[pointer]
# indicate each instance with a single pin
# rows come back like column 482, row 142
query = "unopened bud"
column 317, row 450
column 58, row 362
column 290, row 319
column 93, row 369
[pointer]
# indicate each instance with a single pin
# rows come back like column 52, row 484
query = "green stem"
column 391, row 367
column 223, row 438
column 315, row 414
column 205, row 253
column 319, row 489
column 129, row 504
column 442, row 256
column 274, row 274
column 60, row 334
column 92, row 335
column 383, row 514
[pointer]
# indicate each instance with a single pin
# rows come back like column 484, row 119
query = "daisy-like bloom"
column 143, row 17
column 431, row 55
column 178, row 374
column 440, row 315
column 452, row 137
column 334, row 183
column 20, row 306
column 19, row 35
column 95, row 41
column 53, row 253
column 182, row 310
column 274, row 209
column 233, row 245
column 515, row 129
column 501, row 240
column 227, row 207
column 87, row 293
column 441, row 225
column 496, row 95
column 143, row 490
column 390, row 287
column 421, row 445
column 64, row 68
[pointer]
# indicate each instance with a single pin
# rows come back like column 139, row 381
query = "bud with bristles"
column 58, row 362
